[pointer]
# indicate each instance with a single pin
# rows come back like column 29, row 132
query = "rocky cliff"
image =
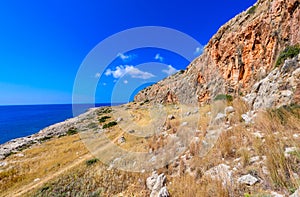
column 241, row 53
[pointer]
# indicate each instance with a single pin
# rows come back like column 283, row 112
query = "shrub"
column 72, row 131
column 223, row 97
column 106, row 110
column 288, row 52
column 91, row 161
column 252, row 10
column 110, row 124
column 103, row 119
column 45, row 138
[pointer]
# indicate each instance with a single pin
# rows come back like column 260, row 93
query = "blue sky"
column 43, row 43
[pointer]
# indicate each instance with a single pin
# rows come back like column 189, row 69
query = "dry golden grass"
column 39, row 162
column 276, row 126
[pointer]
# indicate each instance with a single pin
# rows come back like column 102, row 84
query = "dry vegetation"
column 266, row 139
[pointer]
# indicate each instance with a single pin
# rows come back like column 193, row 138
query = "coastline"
column 55, row 130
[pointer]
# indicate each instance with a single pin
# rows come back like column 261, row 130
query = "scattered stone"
column 121, row 140
column 20, row 155
column 254, row 159
column 258, row 135
column 275, row 194
column 289, row 150
column 184, row 124
column 229, row 110
column 248, row 117
column 221, row 173
column 119, row 119
column 150, row 181
column 3, row 164
column 295, row 135
column 163, row 192
column 188, row 113
column 131, row 131
column 155, row 183
column 171, row 117
column 36, row 180
column 247, row 180
column 220, row 117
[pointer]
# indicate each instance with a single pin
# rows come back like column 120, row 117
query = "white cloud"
column 159, row 57
column 97, row 75
column 126, row 57
column 199, row 50
column 170, row 71
column 130, row 70
column 125, row 81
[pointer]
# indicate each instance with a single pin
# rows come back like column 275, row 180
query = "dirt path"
column 27, row 188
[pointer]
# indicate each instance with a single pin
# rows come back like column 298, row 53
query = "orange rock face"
column 243, row 51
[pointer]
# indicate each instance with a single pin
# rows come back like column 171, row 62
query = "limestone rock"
column 156, row 184
column 248, row 180
column 221, row 173
column 163, row 192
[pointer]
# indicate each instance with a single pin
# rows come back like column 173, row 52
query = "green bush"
column 252, row 10
column 106, row 110
column 91, row 161
column 288, row 52
column 225, row 97
column 103, row 119
column 72, row 131
column 110, row 124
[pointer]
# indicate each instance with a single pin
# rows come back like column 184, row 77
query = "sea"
column 23, row 120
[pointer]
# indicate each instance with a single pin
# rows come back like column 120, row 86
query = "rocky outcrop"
column 243, row 51
column 280, row 87
column 156, row 184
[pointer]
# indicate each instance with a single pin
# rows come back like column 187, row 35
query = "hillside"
column 229, row 125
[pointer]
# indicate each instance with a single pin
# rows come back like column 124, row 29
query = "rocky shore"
column 56, row 130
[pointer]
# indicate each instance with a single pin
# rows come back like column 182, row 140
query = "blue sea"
column 23, row 120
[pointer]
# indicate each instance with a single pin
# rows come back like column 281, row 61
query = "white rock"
column 254, row 159
column 229, row 110
column 163, row 192
column 220, row 117
column 289, row 150
column 150, row 181
column 36, row 180
column 171, row 117
column 121, row 140
column 119, row 119
column 220, row 172
column 258, row 135
column 3, row 164
column 295, row 135
column 184, row 124
column 247, row 118
column 265, row 170
column 20, row 155
column 248, row 180
column 160, row 182
column 275, row 194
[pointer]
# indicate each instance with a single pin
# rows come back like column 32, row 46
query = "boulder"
column 163, row 192
column 156, row 184
column 229, row 110
column 220, row 173
column 248, row 180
